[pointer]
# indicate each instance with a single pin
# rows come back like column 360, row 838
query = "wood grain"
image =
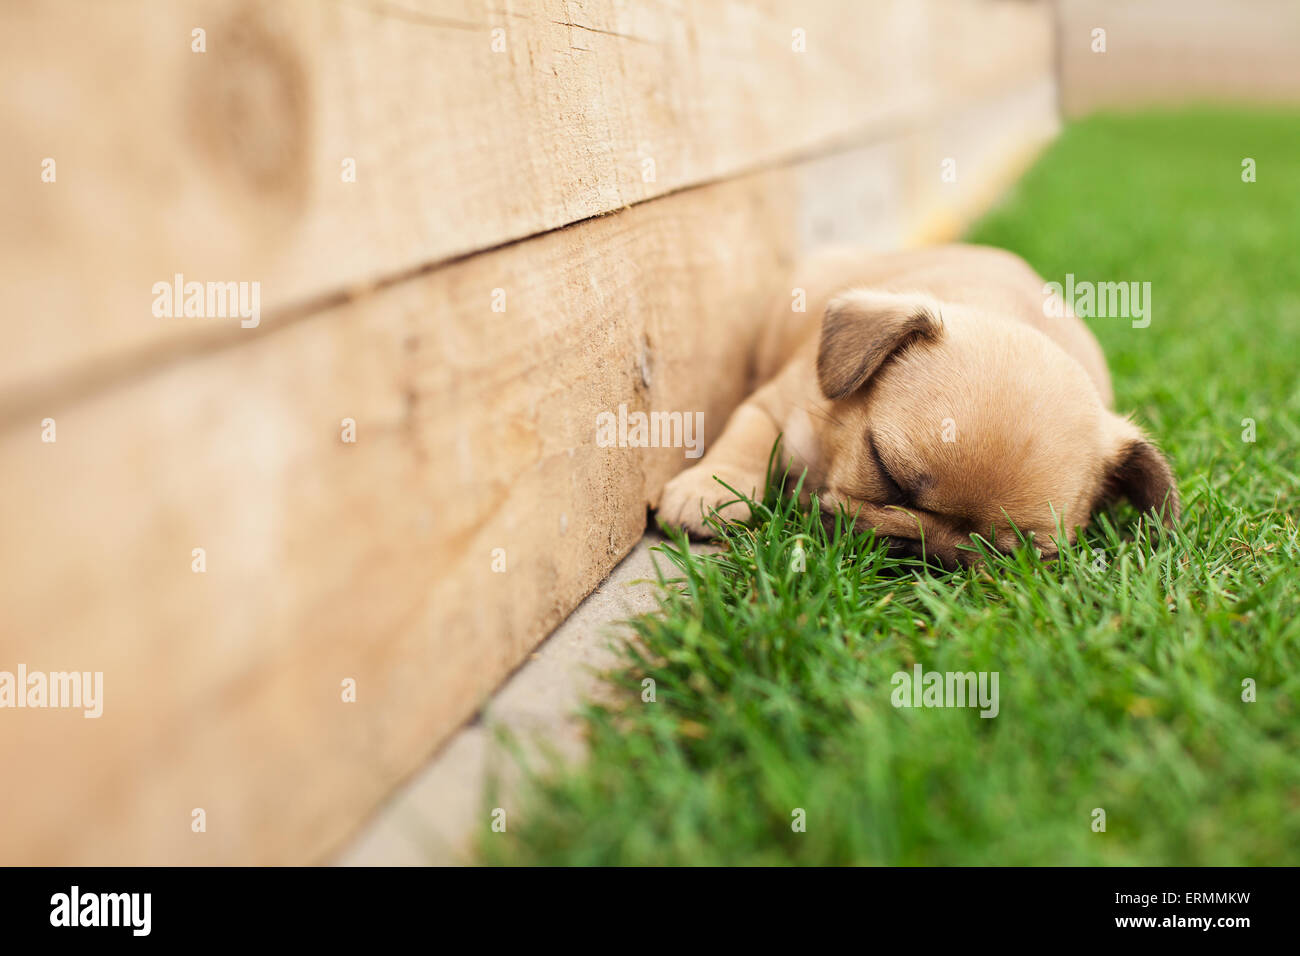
column 227, row 165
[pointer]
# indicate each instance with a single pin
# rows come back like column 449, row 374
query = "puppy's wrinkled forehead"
column 988, row 426
column 981, row 423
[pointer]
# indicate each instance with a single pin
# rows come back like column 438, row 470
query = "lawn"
column 1121, row 665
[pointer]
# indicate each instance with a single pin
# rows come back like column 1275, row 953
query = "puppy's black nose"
column 912, row 548
column 904, row 547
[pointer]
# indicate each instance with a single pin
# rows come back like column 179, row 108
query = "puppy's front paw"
column 688, row 498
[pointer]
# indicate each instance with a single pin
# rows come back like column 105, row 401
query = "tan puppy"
column 939, row 400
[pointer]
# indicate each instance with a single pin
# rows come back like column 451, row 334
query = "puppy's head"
column 946, row 423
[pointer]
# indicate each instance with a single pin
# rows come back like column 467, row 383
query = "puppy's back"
column 993, row 280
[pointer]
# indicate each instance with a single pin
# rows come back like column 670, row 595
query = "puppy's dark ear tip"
column 1141, row 474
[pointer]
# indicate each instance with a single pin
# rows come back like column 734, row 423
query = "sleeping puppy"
column 937, row 400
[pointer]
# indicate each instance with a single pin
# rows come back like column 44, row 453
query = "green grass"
column 1120, row 686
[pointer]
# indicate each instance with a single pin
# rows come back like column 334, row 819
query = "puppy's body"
column 930, row 393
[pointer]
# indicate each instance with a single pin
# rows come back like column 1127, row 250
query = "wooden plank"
column 326, row 560
column 227, row 165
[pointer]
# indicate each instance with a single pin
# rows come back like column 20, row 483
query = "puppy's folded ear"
column 1138, row 471
column 862, row 328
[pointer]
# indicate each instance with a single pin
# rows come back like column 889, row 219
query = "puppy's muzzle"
column 912, row 548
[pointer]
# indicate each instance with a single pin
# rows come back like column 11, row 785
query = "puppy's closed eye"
column 895, row 493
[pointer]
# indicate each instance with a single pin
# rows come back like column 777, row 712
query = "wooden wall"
column 558, row 207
